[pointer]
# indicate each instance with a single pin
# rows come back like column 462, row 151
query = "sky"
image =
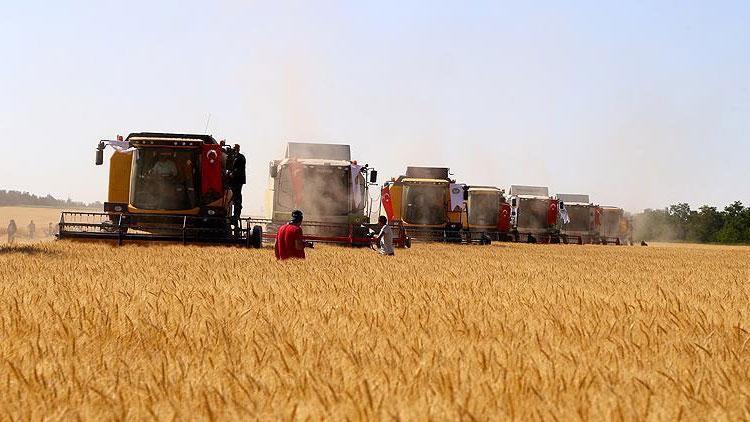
column 639, row 104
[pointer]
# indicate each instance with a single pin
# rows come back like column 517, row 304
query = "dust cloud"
column 322, row 193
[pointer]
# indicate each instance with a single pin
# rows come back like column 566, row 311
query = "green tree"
column 704, row 225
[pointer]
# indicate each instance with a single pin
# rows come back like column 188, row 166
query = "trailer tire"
column 256, row 237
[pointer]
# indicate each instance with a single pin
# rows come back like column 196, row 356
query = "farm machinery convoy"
column 180, row 187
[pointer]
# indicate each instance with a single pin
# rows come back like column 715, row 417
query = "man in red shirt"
column 289, row 242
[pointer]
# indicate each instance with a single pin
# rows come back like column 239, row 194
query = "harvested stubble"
column 439, row 331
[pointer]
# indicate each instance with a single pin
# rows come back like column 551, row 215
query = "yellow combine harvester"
column 164, row 186
column 615, row 226
column 427, row 202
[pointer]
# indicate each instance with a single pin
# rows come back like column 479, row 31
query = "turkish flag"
column 503, row 224
column 210, row 162
column 552, row 212
column 385, row 198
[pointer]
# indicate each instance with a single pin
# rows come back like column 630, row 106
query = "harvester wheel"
column 407, row 242
column 256, row 237
column 485, row 240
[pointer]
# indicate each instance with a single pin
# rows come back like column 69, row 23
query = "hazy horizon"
column 639, row 105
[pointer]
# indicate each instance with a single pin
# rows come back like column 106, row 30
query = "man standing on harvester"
column 237, row 179
column 289, row 243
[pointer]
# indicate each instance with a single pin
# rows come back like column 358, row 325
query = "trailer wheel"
column 256, row 238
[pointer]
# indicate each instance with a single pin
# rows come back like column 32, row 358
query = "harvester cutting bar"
column 155, row 227
column 421, row 234
column 572, row 238
column 218, row 230
column 544, row 238
column 610, row 240
column 337, row 233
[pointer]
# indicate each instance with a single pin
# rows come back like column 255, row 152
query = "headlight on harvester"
column 211, row 212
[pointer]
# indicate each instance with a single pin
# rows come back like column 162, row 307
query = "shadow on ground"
column 26, row 250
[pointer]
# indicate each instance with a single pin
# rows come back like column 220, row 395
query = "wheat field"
column 447, row 332
column 42, row 217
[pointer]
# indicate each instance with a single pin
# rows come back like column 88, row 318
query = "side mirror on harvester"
column 100, row 154
column 466, row 193
column 374, row 176
column 272, row 170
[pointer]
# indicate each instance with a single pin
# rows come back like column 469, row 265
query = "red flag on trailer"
column 210, row 162
column 385, row 198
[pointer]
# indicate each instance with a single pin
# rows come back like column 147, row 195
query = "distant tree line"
column 705, row 225
column 10, row 198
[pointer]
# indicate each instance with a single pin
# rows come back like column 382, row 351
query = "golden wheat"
column 439, row 331
column 24, row 215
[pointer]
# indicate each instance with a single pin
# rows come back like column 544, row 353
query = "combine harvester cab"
column 164, row 186
column 487, row 213
column 330, row 189
column 428, row 204
column 583, row 224
column 533, row 215
column 616, row 227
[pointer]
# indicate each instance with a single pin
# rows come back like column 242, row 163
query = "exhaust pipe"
column 100, row 154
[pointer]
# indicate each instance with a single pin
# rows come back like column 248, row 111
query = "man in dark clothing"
column 289, row 243
column 236, row 181
column 32, row 229
column 12, row 229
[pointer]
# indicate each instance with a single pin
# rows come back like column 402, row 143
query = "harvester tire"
column 485, row 240
column 407, row 242
column 256, row 237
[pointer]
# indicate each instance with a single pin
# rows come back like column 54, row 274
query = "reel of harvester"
column 357, row 235
column 250, row 232
column 122, row 227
